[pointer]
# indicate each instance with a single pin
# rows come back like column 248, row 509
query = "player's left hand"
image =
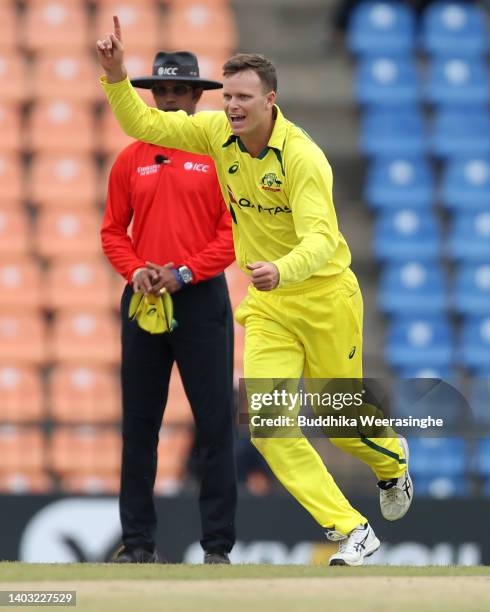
column 166, row 278
column 265, row 275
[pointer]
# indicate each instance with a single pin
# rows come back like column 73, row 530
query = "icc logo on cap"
column 172, row 70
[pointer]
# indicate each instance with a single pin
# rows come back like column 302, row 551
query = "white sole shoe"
column 396, row 495
column 354, row 548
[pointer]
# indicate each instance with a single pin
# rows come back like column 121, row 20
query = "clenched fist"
column 265, row 275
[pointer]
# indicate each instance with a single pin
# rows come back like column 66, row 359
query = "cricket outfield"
column 241, row 588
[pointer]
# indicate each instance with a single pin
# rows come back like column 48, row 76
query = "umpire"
column 180, row 242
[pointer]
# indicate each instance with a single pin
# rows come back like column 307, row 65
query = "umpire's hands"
column 265, row 275
column 155, row 279
column 165, row 278
column 110, row 53
column 143, row 280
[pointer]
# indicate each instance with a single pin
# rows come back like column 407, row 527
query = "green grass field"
column 257, row 588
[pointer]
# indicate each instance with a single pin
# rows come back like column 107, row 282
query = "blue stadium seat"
column 482, row 457
column 466, row 184
column 469, row 237
column 460, row 132
column 386, row 81
column 412, row 287
column 457, row 80
column 381, row 27
column 474, row 347
column 419, row 341
column 479, row 401
column 471, row 295
column 425, row 397
column 438, row 456
column 392, row 131
column 399, row 182
column 401, row 234
column 442, row 487
column 452, row 27
column 444, row 374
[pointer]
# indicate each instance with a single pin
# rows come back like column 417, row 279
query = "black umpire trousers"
column 202, row 347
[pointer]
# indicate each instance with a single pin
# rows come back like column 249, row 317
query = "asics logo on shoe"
column 407, row 487
column 361, row 545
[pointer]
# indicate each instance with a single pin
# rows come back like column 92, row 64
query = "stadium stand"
column 398, row 182
column 471, row 293
column 50, row 128
column 398, row 235
column 381, row 28
column 419, row 341
column 84, row 337
column 388, row 132
column 69, row 76
column 67, row 232
column 424, row 94
column 456, row 80
column 13, row 72
column 465, row 184
column 412, row 287
column 387, row 81
column 457, row 132
column 79, row 395
column 10, row 126
column 21, row 395
column 452, row 27
column 53, row 25
column 59, row 336
column 14, row 232
column 11, row 181
column 63, row 180
column 23, row 455
column 22, row 338
column 80, row 282
column 21, row 285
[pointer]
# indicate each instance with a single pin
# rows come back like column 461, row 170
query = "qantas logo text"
column 245, row 203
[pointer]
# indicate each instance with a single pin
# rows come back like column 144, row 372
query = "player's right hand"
column 110, row 53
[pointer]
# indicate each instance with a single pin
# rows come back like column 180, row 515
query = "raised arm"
column 110, row 52
column 176, row 130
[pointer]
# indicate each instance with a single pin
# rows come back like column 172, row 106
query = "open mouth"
column 237, row 120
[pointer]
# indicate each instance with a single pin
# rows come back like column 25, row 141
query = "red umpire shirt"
column 177, row 211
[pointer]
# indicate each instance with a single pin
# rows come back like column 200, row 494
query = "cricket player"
column 303, row 311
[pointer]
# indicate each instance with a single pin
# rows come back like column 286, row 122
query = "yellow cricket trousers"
column 313, row 332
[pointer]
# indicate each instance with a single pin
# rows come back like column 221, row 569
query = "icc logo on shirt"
column 196, row 167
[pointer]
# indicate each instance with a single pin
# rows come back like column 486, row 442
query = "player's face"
column 247, row 105
column 175, row 96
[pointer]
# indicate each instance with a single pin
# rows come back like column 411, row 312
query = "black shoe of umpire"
column 216, row 557
column 135, row 555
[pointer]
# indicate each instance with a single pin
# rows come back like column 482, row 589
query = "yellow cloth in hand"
column 153, row 313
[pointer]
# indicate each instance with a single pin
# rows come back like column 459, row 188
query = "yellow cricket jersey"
column 281, row 201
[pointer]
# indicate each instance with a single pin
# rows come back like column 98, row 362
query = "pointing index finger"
column 117, row 27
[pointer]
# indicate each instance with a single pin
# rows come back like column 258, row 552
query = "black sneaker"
column 135, row 555
column 216, row 557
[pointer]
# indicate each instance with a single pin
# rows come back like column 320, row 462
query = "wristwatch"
column 185, row 274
